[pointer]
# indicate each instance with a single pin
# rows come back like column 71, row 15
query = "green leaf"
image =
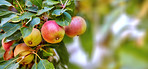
column 31, row 9
column 64, row 20
column 87, row 43
column 3, row 2
column 9, row 31
column 44, row 10
column 26, row 31
column 26, row 15
column 2, row 13
column 15, row 36
column 13, row 66
column 67, row 39
column 15, row 19
column 5, row 20
column 34, row 66
column 58, row 12
column 47, row 52
column 37, row 3
column 28, row 3
column 50, row 2
column 45, row 64
column 63, row 53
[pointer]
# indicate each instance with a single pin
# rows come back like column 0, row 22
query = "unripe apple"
column 52, row 32
column 6, row 45
column 28, row 57
column 76, row 27
column 20, row 48
column 8, row 54
column 34, row 38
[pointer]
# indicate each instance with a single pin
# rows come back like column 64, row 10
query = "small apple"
column 76, row 27
column 52, row 32
column 21, row 47
column 8, row 54
column 34, row 38
column 27, row 59
column 7, row 45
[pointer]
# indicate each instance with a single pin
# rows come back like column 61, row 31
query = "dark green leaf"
column 37, row 3
column 3, row 2
column 2, row 13
column 44, row 10
column 9, row 31
column 58, row 12
column 67, row 39
column 45, row 64
column 14, row 36
column 26, row 15
column 5, row 20
column 26, row 31
column 64, row 20
column 63, row 53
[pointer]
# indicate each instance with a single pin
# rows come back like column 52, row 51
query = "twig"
column 20, row 6
column 37, row 55
column 61, row 2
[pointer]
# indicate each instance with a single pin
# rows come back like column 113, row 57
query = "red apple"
column 6, row 45
column 52, row 32
column 8, row 54
column 76, row 27
column 20, row 48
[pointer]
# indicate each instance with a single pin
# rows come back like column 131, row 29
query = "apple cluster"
column 51, row 33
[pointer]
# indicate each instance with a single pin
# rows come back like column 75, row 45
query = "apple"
column 52, row 32
column 6, row 45
column 20, row 48
column 8, row 54
column 76, row 27
column 27, row 59
column 34, row 38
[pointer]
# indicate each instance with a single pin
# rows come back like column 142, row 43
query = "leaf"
column 14, row 66
column 28, row 3
column 3, row 2
column 34, row 66
column 58, row 12
column 26, row 15
column 67, row 39
column 15, row 19
column 37, row 3
column 63, row 53
column 50, row 2
column 45, row 64
column 9, row 31
column 5, row 20
column 44, row 10
column 15, row 36
column 31, row 9
column 26, row 31
column 2, row 13
column 87, row 43
column 64, row 20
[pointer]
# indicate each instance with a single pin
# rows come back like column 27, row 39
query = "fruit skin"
column 34, row 38
column 52, row 32
column 8, row 54
column 76, row 27
column 20, row 48
column 28, row 59
column 7, row 45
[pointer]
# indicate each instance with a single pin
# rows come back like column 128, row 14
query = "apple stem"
column 37, row 55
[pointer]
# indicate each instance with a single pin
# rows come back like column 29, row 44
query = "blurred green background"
column 116, row 35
